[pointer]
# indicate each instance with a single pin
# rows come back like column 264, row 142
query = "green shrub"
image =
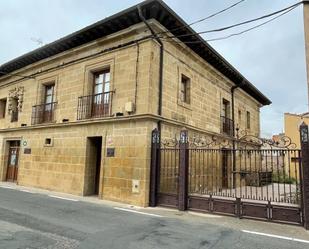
column 283, row 178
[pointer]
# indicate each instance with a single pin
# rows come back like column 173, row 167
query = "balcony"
column 227, row 126
column 44, row 113
column 95, row 106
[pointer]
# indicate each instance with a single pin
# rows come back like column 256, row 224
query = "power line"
column 285, row 11
column 238, row 24
column 203, row 19
column 236, row 34
column 252, row 28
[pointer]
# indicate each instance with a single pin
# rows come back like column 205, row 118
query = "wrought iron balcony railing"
column 44, row 113
column 95, row 106
column 227, row 126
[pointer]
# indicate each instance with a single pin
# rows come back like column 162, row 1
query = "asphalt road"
column 32, row 220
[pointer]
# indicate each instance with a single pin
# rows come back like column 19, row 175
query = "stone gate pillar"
column 154, row 168
column 304, row 172
column 183, row 170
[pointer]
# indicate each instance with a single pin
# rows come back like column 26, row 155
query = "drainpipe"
column 233, row 88
column 233, row 133
column 161, row 62
column 233, row 107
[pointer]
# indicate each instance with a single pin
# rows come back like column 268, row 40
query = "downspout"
column 161, row 62
column 233, row 108
column 233, row 88
column 155, row 171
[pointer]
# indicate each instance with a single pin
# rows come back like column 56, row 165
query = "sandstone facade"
column 57, row 155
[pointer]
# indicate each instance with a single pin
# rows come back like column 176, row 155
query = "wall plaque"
column 110, row 152
column 27, row 151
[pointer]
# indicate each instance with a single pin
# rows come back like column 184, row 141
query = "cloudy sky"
column 271, row 57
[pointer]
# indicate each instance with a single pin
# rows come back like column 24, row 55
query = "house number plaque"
column 27, row 151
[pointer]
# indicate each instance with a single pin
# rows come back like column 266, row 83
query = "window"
column 2, row 108
column 185, row 89
column 48, row 142
column 101, row 82
column 227, row 124
column 101, row 93
column 226, row 108
column 248, row 120
column 239, row 117
column 14, row 109
column 49, row 96
column 48, row 107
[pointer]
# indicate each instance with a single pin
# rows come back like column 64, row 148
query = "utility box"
column 129, row 107
column 135, row 186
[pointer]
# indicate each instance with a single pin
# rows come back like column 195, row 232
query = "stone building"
column 77, row 114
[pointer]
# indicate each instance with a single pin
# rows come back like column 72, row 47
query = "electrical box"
column 135, row 186
column 129, row 107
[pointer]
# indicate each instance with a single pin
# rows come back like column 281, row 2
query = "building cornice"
column 111, row 120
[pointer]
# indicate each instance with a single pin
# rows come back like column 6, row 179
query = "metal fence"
column 94, row 106
column 255, row 174
column 245, row 177
column 227, row 126
column 44, row 113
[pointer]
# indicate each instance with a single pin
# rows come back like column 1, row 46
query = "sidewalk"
column 89, row 199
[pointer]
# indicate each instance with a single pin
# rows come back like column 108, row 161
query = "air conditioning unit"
column 129, row 107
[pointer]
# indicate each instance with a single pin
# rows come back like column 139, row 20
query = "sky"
column 271, row 57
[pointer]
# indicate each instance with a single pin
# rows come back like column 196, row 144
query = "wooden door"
column 12, row 169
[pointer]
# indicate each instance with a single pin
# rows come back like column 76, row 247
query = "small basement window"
column 2, row 108
column 48, row 142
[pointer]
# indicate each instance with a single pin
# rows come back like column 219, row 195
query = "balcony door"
column 48, row 103
column 101, row 91
column 227, row 125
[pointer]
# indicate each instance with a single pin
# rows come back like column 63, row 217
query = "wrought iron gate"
column 247, row 177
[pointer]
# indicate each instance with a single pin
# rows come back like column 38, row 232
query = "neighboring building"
column 81, row 121
column 291, row 126
column 292, row 123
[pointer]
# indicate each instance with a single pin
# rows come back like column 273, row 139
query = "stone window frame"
column 51, row 144
column 184, row 72
column 248, row 120
column 94, row 67
column 185, row 83
column 239, row 117
column 226, row 108
column 3, row 107
column 42, row 83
